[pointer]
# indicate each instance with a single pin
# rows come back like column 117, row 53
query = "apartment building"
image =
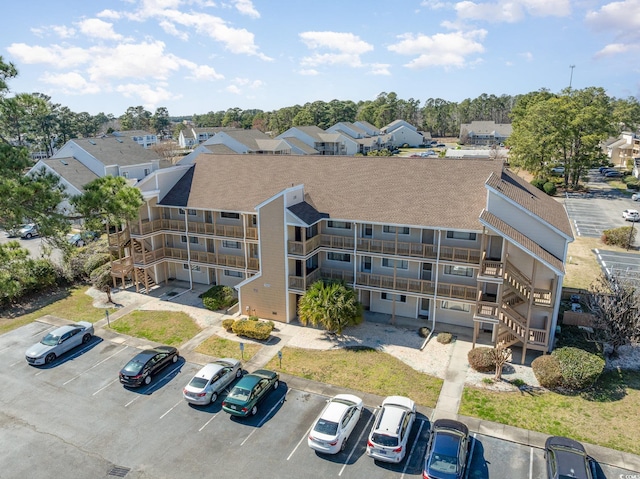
column 462, row 242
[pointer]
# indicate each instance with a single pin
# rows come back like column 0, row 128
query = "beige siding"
column 266, row 293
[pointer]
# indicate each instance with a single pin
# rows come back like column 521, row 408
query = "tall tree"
column 330, row 305
column 160, row 120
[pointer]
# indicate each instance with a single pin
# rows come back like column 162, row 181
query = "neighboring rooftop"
column 111, row 150
column 72, row 171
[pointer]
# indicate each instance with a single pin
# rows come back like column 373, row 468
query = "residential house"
column 325, row 143
column 623, row 149
column 192, row 136
column 484, row 133
column 141, row 137
column 490, row 258
column 403, row 133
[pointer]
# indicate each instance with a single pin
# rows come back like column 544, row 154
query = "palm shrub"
column 579, row 368
column 481, row 359
column 219, row 297
column 547, row 371
column 330, row 305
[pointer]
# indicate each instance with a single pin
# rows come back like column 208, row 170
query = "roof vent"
column 92, row 142
column 64, row 162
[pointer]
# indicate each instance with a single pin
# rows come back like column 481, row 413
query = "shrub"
column 219, row 297
column 623, row 236
column 445, row 338
column 549, row 188
column 228, row 324
column 547, row 371
column 539, row 183
column 253, row 318
column 518, row 382
column 579, row 368
column 252, row 329
column 481, row 359
column 423, row 332
column 632, row 182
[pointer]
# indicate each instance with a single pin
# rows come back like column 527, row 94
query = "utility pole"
column 571, row 77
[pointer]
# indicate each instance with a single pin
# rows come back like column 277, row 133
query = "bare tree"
column 614, row 303
column 501, row 355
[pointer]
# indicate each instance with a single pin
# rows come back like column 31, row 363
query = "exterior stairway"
column 143, row 277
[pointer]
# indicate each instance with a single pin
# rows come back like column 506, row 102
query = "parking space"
column 91, row 426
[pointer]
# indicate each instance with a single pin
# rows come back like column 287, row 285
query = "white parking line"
column 132, row 401
column 353, row 448
column 415, row 442
column 105, row 387
column 300, row 442
column 207, row 423
column 531, row 464
column 266, row 416
column 95, row 365
column 172, row 408
column 42, row 331
column 17, row 362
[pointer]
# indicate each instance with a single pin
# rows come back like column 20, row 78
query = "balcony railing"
column 490, row 268
column 226, row 231
column 398, row 248
column 301, row 283
column 204, row 257
column 118, row 239
column 303, row 248
column 417, row 286
column 121, row 266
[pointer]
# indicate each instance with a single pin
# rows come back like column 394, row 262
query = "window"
column 339, row 224
column 455, row 306
column 312, row 231
column 458, row 271
column 125, row 174
column 234, row 274
column 233, row 216
column 231, row 244
column 192, row 239
column 191, row 212
column 146, row 171
column 193, row 267
column 390, row 297
column 401, row 230
column 399, row 263
column 367, row 230
column 345, row 257
column 461, row 235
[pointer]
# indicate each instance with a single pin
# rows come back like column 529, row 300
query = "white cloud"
column 111, row 14
column 246, row 8
column 96, row 28
column 60, row 56
column 203, row 72
column 172, row 30
column 71, row 83
column 345, row 49
column 149, row 96
column 617, row 49
column 308, row 72
column 233, row 89
column 528, row 56
column 441, row 49
column 435, row 4
column 379, row 69
column 623, row 20
column 63, row 31
column 511, row 11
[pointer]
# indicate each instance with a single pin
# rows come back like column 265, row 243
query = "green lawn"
column 226, row 348
column 166, row 327
column 606, row 416
column 72, row 304
column 365, row 370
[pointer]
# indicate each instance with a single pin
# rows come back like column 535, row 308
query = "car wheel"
column 239, row 373
column 80, row 244
column 28, row 236
column 275, row 385
column 86, row 338
column 214, row 396
column 174, row 359
column 343, row 445
column 147, row 380
column 254, row 410
column 50, row 358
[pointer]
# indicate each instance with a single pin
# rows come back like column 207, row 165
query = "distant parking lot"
column 90, row 426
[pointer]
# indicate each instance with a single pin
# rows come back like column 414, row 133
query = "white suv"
column 390, row 432
column 631, row 215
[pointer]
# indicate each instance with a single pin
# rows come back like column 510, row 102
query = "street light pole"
column 571, row 76
column 633, row 223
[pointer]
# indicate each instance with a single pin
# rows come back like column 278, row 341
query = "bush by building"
column 481, row 359
column 219, row 297
column 579, row 369
column 547, row 371
column 253, row 329
column 445, row 338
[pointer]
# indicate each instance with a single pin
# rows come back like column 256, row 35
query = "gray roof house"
column 484, row 133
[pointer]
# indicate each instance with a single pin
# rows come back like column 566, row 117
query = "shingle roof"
column 532, row 199
column 405, row 191
column 220, row 149
column 517, row 237
column 179, row 194
column 246, row 137
column 72, row 171
column 313, row 131
column 122, row 150
column 307, row 213
column 293, row 141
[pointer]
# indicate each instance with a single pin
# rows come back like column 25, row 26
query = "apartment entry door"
column 425, row 307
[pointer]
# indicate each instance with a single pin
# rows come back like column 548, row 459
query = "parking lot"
column 74, row 419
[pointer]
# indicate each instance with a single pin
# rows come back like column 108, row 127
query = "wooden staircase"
column 143, row 277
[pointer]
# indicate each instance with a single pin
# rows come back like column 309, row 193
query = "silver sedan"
column 58, row 342
column 211, row 380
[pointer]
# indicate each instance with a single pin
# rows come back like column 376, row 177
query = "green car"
column 249, row 391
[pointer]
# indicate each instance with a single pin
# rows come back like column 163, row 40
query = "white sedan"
column 58, row 342
column 631, row 215
column 207, row 384
column 331, row 430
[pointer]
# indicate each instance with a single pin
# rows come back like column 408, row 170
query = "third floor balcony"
column 178, row 226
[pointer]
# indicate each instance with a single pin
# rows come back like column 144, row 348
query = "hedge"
column 219, row 297
column 579, row 368
column 481, row 359
column 253, row 329
column 623, row 236
column 228, row 324
column 547, row 371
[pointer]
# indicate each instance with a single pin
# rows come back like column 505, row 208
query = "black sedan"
column 566, row 458
column 446, row 456
column 145, row 364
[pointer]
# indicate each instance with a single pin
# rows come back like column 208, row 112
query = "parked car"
column 145, row 364
column 447, row 450
column 602, row 168
column 207, row 384
column 631, row 215
column 245, row 396
column 635, row 197
column 331, row 430
column 557, row 170
column 14, row 232
column 390, row 432
column 81, row 239
column 28, row 231
column 613, row 174
column 567, row 458
column 58, row 342
column 440, row 145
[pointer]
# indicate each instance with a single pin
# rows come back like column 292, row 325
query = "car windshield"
column 241, row 394
column 198, row 383
column 323, row 426
column 444, row 457
column 384, row 440
column 50, row 339
column 133, row 366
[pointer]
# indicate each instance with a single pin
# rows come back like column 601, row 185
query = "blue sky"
column 196, row 56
